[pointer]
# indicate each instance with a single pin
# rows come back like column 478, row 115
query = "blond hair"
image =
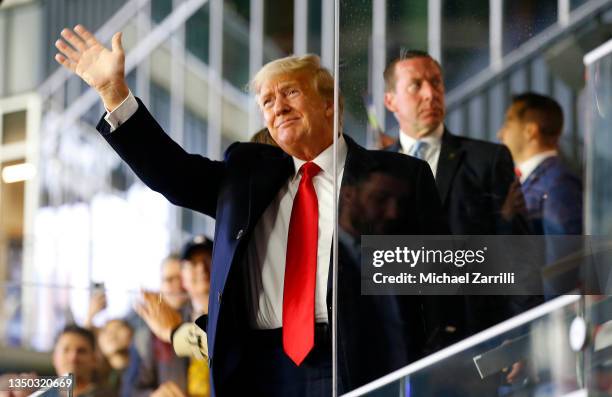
column 310, row 64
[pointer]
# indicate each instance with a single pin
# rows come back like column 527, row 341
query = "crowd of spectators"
column 123, row 357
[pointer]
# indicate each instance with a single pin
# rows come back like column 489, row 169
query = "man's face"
column 196, row 273
column 379, row 205
column 73, row 354
column 171, row 287
column 513, row 133
column 298, row 118
column 418, row 98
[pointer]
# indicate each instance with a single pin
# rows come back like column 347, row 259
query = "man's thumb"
column 117, row 42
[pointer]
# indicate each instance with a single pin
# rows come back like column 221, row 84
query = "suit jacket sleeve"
column 187, row 180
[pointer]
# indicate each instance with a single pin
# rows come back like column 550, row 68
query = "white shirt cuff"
column 189, row 340
column 122, row 113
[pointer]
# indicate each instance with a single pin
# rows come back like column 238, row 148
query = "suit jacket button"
column 239, row 234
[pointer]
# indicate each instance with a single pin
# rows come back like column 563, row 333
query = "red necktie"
column 517, row 172
column 301, row 269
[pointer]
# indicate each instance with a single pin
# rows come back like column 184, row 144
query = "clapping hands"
column 158, row 315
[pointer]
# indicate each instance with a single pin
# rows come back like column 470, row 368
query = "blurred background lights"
column 18, row 172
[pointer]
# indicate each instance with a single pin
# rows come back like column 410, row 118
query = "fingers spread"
column 152, row 300
column 117, row 42
column 143, row 311
column 148, row 304
column 74, row 39
column 86, row 35
column 67, row 51
column 62, row 60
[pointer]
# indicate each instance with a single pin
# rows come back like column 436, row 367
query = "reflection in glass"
column 465, row 39
column 599, row 146
column 530, row 358
column 533, row 18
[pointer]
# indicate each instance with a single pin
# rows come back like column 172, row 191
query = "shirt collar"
column 325, row 159
column 434, row 139
column 528, row 166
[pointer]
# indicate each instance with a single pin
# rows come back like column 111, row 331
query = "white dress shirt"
column 122, row 113
column 528, row 166
column 432, row 153
column 266, row 252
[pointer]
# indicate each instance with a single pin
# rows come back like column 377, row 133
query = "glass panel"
column 407, row 24
column 598, row 150
column 533, row 18
column 598, row 354
column 382, row 195
column 314, row 26
column 14, row 127
column 465, row 39
column 278, row 30
column 356, row 47
column 533, row 359
column 577, row 3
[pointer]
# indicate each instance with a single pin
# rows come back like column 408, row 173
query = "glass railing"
column 557, row 349
column 560, row 348
column 598, row 142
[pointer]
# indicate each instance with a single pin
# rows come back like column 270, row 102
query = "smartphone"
column 97, row 288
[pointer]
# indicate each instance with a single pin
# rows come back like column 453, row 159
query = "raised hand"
column 158, row 315
column 101, row 68
column 97, row 303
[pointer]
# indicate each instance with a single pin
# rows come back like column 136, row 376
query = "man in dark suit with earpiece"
column 475, row 179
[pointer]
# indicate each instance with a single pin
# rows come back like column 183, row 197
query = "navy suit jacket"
column 236, row 191
column 553, row 196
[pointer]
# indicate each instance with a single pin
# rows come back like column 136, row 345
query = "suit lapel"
column 451, row 155
column 272, row 171
column 537, row 173
column 358, row 162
